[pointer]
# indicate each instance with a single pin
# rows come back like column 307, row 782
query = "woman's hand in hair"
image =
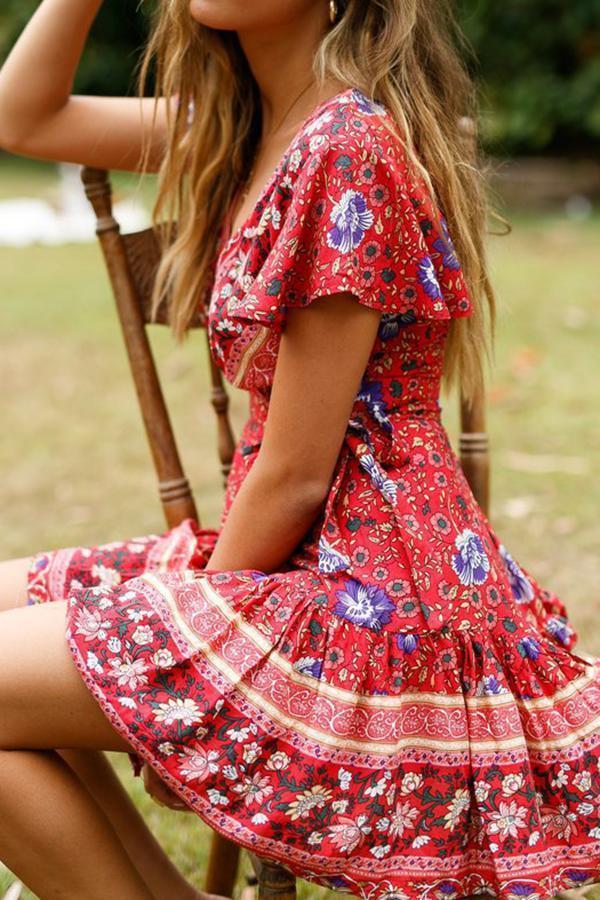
column 39, row 117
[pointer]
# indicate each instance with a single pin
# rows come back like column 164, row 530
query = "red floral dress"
column 398, row 712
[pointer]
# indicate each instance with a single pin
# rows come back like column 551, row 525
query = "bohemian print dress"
column 397, row 712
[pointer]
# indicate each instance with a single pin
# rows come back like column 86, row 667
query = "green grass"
column 76, row 467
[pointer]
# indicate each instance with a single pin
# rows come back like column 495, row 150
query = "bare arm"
column 39, row 116
column 322, row 356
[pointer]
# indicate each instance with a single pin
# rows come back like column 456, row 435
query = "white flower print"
column 402, row 818
column 143, row 634
column 507, row 819
column 217, row 798
column 251, row 752
column 512, row 783
column 238, row 734
column 317, row 123
column 177, row 710
column 255, row 789
column 420, row 841
column 278, row 760
column 482, row 790
column 198, row 764
column 259, row 819
column 294, row 160
column 163, row 659
column 128, row 702
column 106, row 577
column 345, row 779
column 114, row 644
column 315, row 839
column 339, row 806
column 93, row 663
column 411, row 782
column 137, row 614
column 129, row 672
column 167, row 748
column 583, row 781
column 380, row 852
column 459, row 803
column 377, row 789
column 90, row 624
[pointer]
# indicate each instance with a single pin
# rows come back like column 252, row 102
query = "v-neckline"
column 228, row 237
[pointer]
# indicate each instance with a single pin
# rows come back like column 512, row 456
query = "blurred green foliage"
column 538, row 62
column 112, row 50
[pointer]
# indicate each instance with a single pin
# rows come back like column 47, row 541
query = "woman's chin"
column 225, row 14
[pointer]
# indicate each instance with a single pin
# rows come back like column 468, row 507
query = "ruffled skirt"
column 442, row 761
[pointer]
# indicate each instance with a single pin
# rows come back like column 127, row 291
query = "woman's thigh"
column 13, row 582
column 44, row 703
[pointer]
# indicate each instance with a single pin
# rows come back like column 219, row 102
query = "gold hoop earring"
column 333, row 11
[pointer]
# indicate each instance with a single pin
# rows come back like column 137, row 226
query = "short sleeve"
column 353, row 223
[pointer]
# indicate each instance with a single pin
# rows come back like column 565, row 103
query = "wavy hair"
column 406, row 54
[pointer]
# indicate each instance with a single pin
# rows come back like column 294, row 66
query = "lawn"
column 77, row 470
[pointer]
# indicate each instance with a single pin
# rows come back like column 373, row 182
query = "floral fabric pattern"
column 399, row 711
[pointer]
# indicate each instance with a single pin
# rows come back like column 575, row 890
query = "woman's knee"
column 14, row 582
column 44, row 703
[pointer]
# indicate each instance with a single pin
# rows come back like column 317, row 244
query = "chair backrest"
column 131, row 260
column 473, row 442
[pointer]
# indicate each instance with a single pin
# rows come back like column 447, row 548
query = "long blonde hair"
column 402, row 53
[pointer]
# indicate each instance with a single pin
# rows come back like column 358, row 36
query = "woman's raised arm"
column 39, row 117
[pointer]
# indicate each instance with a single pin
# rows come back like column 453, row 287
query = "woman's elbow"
column 297, row 485
column 13, row 134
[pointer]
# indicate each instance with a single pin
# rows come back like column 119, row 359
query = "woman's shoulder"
column 352, row 140
column 347, row 117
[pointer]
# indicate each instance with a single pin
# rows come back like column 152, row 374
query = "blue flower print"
column 309, row 666
column 407, row 642
column 446, row 891
column 428, row 278
column 351, row 217
column 391, row 323
column 366, row 105
column 520, row 585
column 529, row 647
column 445, row 246
column 558, row 627
column 366, row 605
column 380, row 480
column 330, row 559
column 520, row 891
column 471, row 563
column 488, row 685
column 370, row 392
column 338, row 881
column 576, row 877
column 257, row 575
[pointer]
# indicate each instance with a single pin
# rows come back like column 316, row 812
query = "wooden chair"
column 131, row 260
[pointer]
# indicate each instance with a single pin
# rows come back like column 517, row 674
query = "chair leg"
column 273, row 881
column 222, row 866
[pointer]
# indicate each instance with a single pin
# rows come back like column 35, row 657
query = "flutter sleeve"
column 355, row 224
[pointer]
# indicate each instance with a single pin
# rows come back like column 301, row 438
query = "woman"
column 351, row 674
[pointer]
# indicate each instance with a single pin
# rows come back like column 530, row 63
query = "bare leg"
column 98, row 777
column 13, row 582
column 157, row 869
column 55, row 838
